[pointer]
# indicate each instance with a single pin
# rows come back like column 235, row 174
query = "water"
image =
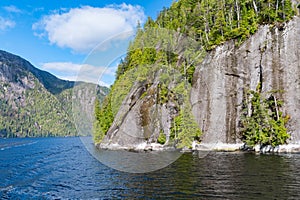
column 61, row 168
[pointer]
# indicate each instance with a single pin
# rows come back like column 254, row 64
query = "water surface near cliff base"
column 61, row 168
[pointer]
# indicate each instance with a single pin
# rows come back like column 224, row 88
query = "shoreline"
column 203, row 147
column 142, row 147
column 224, row 147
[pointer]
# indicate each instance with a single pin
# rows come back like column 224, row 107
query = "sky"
column 74, row 39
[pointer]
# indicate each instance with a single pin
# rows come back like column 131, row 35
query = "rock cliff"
column 271, row 56
column 141, row 118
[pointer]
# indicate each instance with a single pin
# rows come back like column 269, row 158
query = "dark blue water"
column 61, row 168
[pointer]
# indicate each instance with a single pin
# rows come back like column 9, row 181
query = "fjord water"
column 61, row 168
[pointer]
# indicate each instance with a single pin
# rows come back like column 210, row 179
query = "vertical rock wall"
column 272, row 56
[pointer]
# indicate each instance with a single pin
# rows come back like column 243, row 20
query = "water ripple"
column 61, row 168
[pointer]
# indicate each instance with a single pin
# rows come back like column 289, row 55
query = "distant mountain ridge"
column 51, row 82
column 36, row 103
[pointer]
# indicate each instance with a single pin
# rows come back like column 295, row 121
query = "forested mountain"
column 150, row 100
column 34, row 102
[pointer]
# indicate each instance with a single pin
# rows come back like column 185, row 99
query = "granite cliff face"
column 271, row 56
column 141, row 118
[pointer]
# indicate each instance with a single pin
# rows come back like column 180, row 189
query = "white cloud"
column 12, row 9
column 62, row 66
column 81, row 29
column 6, row 23
column 81, row 72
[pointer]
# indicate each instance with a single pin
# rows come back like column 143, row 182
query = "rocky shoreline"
column 287, row 148
column 142, row 147
column 218, row 147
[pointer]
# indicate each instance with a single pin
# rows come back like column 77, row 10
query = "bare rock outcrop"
column 270, row 56
column 140, row 120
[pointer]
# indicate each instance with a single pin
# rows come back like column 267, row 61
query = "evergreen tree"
column 262, row 122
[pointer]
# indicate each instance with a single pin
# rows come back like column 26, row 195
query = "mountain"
column 207, row 72
column 49, row 81
column 34, row 102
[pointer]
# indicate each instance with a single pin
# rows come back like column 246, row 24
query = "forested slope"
column 34, row 102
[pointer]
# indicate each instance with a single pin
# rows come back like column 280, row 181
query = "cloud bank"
column 12, row 9
column 81, row 72
column 81, row 29
column 6, row 24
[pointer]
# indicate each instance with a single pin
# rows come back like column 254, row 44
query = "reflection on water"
column 132, row 162
column 61, row 168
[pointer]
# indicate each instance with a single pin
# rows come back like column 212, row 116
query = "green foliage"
column 135, row 57
column 163, row 93
column 35, row 113
column 185, row 130
column 213, row 22
column 161, row 138
column 263, row 123
column 103, row 118
column 98, row 132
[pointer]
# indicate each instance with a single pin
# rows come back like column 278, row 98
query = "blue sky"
column 61, row 36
